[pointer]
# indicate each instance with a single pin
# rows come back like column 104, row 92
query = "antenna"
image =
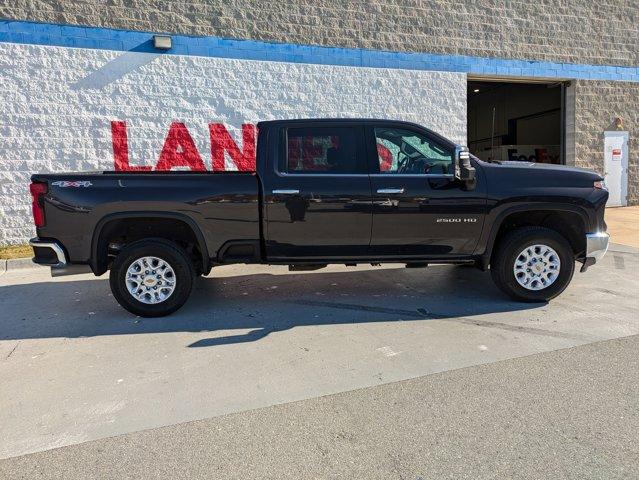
column 492, row 135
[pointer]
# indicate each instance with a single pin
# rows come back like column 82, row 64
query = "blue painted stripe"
column 123, row 40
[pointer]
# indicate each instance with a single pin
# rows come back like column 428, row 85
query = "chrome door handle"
column 390, row 190
column 286, row 192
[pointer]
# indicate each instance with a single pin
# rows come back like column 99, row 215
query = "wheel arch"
column 568, row 220
column 99, row 260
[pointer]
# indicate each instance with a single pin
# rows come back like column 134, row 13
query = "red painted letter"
column 121, row 148
column 179, row 150
column 385, row 157
column 221, row 142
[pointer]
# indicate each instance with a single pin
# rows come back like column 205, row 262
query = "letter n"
column 221, row 141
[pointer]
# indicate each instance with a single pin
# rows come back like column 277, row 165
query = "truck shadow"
column 260, row 304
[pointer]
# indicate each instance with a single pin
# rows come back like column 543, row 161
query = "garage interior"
column 516, row 121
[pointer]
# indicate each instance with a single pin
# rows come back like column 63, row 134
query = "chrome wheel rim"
column 150, row 280
column 537, row 267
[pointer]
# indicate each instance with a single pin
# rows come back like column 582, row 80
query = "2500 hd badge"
column 457, row 220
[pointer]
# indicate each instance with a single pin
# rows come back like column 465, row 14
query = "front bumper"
column 596, row 248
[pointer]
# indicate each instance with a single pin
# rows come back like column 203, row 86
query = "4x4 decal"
column 66, row 183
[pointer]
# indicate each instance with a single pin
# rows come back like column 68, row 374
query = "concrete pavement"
column 570, row 414
column 76, row 367
column 623, row 225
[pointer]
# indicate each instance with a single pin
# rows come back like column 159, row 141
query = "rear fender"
column 99, row 269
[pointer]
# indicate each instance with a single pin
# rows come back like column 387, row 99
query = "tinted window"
column 404, row 151
column 328, row 150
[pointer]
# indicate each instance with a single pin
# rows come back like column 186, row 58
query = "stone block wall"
column 597, row 105
column 578, row 31
column 58, row 104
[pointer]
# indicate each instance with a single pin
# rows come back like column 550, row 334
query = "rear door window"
column 323, row 150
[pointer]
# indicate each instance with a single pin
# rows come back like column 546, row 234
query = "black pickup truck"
column 324, row 191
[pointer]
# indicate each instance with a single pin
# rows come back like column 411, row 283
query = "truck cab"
column 344, row 189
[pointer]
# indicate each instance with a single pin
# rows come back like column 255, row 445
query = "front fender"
column 498, row 214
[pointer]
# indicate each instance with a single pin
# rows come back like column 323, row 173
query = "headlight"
column 600, row 184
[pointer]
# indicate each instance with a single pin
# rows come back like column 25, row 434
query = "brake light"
column 38, row 190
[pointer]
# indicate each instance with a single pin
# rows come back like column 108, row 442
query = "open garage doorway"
column 516, row 121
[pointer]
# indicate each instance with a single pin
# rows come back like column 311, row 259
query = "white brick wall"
column 57, row 105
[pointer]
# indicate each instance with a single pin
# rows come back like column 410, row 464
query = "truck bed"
column 223, row 205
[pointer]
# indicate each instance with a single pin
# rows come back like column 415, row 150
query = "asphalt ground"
column 341, row 373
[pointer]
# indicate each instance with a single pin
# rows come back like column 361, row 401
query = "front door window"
column 401, row 151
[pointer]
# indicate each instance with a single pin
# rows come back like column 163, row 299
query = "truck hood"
column 548, row 167
column 528, row 174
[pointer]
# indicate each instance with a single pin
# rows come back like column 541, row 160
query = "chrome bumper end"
column 596, row 248
column 50, row 253
column 55, row 247
column 597, row 245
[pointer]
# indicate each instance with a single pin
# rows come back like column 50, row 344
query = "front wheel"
column 533, row 264
column 151, row 278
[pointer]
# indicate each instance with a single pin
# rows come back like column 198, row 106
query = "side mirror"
column 464, row 171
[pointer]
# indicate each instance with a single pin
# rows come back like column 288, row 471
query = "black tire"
column 165, row 250
column 507, row 251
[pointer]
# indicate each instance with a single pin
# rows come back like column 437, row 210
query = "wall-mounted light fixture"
column 162, row 42
column 618, row 123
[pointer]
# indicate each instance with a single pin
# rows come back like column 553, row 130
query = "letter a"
column 179, row 150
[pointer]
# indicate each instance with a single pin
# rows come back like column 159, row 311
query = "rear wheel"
column 533, row 264
column 151, row 278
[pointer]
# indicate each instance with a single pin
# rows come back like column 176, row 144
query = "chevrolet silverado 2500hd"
column 324, row 191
